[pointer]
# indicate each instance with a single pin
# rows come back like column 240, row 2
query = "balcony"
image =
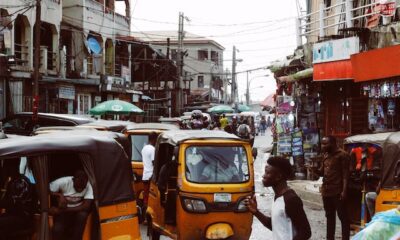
column 343, row 16
column 93, row 16
column 21, row 58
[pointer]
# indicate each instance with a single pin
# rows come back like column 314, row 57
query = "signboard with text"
column 66, row 92
column 335, row 50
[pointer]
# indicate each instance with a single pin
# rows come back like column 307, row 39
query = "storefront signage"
column 335, row 50
column 66, row 92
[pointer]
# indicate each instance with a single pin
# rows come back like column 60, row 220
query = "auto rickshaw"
column 389, row 194
column 365, row 172
column 199, row 184
column 53, row 155
column 138, row 135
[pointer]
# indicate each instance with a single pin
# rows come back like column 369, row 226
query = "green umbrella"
column 243, row 108
column 221, row 109
column 115, row 107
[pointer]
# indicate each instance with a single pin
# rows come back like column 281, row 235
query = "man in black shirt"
column 288, row 219
column 335, row 172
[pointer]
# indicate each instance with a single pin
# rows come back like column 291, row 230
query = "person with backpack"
column 18, row 205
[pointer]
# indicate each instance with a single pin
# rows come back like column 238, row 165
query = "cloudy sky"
column 262, row 31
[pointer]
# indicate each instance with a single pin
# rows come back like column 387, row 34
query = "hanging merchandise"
column 284, row 144
column 297, row 143
column 391, row 107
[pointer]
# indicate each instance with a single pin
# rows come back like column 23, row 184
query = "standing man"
column 335, row 173
column 288, row 220
column 75, row 197
column 148, row 158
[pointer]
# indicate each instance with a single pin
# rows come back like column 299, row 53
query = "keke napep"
column 138, row 135
column 50, row 156
column 389, row 194
column 199, row 184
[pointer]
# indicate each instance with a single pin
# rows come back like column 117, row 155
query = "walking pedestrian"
column 335, row 172
column 288, row 219
column 263, row 125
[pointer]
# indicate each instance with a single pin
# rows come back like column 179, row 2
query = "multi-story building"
column 17, row 21
column 84, row 55
column 203, row 72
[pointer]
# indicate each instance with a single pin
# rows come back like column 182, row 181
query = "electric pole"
column 178, row 86
column 233, row 84
column 36, row 64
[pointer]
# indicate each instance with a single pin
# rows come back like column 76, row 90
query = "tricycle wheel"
column 151, row 232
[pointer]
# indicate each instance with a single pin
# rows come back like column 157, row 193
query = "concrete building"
column 84, row 55
column 203, row 63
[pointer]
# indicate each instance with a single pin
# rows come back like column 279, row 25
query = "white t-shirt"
column 148, row 158
column 281, row 223
column 65, row 185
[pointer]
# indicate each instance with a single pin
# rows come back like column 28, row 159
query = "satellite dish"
column 94, row 45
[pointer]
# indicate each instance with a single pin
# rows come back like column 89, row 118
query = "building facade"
column 203, row 72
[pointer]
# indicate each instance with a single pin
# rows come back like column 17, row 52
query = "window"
column 138, row 142
column 214, row 57
column 200, row 81
column 216, row 164
column 84, row 103
column 202, row 55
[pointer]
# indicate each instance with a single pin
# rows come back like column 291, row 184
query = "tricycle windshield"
column 217, row 164
column 138, row 142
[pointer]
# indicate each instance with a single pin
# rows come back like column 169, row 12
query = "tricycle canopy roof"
column 156, row 126
column 179, row 136
column 109, row 125
column 391, row 162
column 111, row 165
column 375, row 138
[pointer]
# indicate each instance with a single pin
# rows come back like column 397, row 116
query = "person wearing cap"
column 288, row 219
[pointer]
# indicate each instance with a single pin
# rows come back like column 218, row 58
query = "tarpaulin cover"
column 390, row 163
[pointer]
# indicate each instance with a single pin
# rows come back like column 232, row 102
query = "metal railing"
column 327, row 21
column 21, row 52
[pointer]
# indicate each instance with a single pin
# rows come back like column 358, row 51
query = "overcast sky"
column 262, row 31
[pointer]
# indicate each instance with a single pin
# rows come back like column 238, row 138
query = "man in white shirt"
column 148, row 158
column 75, row 197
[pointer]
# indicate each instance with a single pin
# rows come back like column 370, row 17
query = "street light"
column 248, row 86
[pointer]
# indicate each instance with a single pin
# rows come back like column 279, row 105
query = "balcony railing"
column 21, row 54
column 330, row 20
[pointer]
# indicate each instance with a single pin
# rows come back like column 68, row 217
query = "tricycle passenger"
column 75, row 197
column 220, row 171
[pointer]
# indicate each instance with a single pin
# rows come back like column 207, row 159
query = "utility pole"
column 36, row 64
column 247, row 90
column 178, row 86
column 233, row 84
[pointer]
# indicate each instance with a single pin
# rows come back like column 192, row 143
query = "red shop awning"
column 331, row 71
column 376, row 64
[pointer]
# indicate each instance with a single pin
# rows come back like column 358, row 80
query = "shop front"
column 342, row 106
column 380, row 84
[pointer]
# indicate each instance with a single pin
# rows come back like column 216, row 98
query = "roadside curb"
column 312, row 199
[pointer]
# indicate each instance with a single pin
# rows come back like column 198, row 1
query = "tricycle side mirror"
column 254, row 153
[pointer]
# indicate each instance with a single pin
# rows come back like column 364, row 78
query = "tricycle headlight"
column 194, row 205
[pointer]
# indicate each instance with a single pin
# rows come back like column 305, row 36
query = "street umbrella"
column 115, row 107
column 220, row 109
column 243, row 108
